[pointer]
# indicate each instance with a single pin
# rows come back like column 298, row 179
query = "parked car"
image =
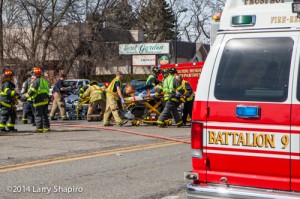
column 76, row 83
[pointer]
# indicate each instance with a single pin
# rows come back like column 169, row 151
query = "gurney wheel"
column 133, row 123
column 168, row 122
column 138, row 123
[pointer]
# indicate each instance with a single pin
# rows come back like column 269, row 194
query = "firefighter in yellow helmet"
column 39, row 92
column 8, row 102
column 97, row 98
column 113, row 97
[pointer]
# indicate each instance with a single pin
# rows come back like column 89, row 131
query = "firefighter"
column 165, row 73
column 82, row 90
column 152, row 80
column 113, row 97
column 28, row 109
column 58, row 100
column 25, row 87
column 8, row 103
column 39, row 92
column 172, row 89
column 189, row 97
column 97, row 97
column 82, row 100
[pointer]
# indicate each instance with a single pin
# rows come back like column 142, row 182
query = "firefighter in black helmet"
column 152, row 80
column 8, row 102
column 171, row 88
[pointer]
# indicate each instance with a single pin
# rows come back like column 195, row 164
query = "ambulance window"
column 255, row 69
column 298, row 86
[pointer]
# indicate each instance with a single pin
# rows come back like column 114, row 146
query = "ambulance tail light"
column 197, row 139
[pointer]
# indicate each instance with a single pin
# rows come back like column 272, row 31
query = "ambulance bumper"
column 213, row 191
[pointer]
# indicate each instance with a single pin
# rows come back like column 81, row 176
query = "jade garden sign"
column 144, row 49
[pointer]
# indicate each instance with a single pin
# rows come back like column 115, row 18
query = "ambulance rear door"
column 295, row 130
column 248, row 130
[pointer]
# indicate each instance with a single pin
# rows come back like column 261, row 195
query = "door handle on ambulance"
column 248, row 112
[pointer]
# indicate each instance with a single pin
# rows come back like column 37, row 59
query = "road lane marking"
column 123, row 131
column 20, row 133
column 82, row 156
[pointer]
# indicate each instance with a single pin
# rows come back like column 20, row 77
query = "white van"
column 246, row 115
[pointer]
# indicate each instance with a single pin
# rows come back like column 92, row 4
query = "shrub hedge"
column 109, row 78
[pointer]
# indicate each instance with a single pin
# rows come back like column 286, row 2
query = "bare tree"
column 193, row 25
column 1, row 35
column 94, row 45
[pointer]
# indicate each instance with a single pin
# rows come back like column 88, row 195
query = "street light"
column 176, row 26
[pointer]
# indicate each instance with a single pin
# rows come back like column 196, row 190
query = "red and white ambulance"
column 246, row 120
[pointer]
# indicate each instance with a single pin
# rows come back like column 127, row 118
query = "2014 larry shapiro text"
column 44, row 189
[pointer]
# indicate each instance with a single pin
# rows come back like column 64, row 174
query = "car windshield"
column 70, row 83
column 76, row 92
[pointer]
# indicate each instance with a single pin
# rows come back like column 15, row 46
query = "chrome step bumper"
column 213, row 191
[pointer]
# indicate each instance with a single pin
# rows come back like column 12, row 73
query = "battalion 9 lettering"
column 245, row 139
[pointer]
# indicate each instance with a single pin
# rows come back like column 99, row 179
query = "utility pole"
column 176, row 29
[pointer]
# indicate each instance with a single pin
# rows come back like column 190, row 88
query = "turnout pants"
column 58, row 103
column 8, row 117
column 41, row 118
column 93, row 106
column 170, row 108
column 28, row 111
column 112, row 107
column 187, row 110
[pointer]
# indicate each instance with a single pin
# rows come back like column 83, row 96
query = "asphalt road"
column 80, row 162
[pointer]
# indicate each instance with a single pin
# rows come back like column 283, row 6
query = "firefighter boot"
column 11, row 129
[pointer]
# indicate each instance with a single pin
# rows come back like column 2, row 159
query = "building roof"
column 185, row 50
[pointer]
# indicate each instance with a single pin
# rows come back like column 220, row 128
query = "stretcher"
column 150, row 103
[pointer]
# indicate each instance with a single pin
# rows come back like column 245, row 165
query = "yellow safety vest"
column 191, row 97
column 168, row 88
column 109, row 90
column 43, row 89
column 96, row 93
